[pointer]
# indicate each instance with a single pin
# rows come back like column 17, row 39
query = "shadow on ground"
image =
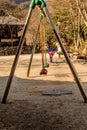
column 28, row 109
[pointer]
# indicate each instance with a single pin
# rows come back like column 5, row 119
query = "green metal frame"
column 42, row 5
column 37, row 2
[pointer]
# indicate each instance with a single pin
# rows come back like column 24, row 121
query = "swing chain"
column 45, row 64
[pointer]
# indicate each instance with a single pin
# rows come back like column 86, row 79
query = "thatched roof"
column 9, row 19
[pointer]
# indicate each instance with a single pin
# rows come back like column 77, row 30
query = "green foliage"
column 68, row 36
column 64, row 25
column 51, row 38
column 83, row 32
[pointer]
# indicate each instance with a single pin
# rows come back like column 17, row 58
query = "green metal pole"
column 66, row 56
column 33, row 50
column 31, row 6
column 16, row 58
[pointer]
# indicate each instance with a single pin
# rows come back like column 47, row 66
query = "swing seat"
column 43, row 72
column 46, row 65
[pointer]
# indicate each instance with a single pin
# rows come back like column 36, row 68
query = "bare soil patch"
column 28, row 109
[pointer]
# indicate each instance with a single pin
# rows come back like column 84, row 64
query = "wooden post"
column 16, row 58
column 66, row 56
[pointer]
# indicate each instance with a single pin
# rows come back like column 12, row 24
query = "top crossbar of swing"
column 41, row 3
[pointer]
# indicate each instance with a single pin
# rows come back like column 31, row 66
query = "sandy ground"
column 28, row 109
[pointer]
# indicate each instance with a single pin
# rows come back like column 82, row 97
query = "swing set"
column 43, row 49
column 42, row 5
column 43, row 46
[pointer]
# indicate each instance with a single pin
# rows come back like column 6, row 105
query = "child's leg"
column 50, row 59
column 59, row 55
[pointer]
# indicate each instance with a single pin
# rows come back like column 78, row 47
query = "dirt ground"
column 28, row 109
